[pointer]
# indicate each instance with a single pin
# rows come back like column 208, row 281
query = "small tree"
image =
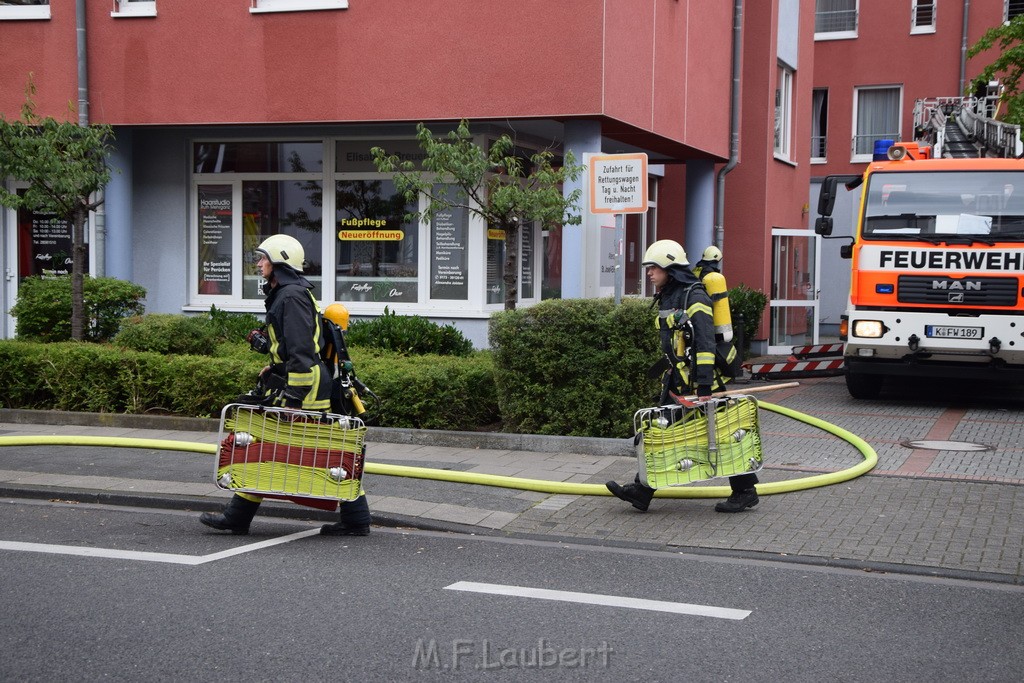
column 65, row 165
column 1008, row 65
column 496, row 184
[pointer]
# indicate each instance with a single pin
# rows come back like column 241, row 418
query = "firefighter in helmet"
column 296, row 377
column 687, row 332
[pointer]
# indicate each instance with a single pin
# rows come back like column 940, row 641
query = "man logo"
column 956, row 297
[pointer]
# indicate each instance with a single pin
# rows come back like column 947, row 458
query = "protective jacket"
column 687, row 330
column 299, row 378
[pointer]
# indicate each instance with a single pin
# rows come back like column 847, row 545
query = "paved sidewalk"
column 933, row 507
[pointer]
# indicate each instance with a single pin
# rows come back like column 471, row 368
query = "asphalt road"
column 152, row 595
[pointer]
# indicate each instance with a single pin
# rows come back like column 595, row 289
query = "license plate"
column 951, row 332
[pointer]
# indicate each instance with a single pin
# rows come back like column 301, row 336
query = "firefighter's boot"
column 354, row 519
column 738, row 501
column 636, row 493
column 234, row 518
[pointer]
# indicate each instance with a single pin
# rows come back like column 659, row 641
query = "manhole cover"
column 946, row 445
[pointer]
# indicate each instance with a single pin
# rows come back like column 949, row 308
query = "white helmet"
column 665, row 253
column 284, row 250
column 712, row 253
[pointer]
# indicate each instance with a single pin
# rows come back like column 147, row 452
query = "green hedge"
column 575, row 367
column 43, row 309
column 428, row 392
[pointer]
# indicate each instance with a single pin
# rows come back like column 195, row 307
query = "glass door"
column 793, row 305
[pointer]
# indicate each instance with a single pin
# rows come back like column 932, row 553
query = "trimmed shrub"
column 168, row 334
column 750, row 304
column 410, row 334
column 576, row 367
column 43, row 309
column 430, row 391
column 425, row 392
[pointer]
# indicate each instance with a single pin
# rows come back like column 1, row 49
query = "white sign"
column 618, row 183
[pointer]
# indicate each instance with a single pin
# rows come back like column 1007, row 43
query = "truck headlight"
column 872, row 329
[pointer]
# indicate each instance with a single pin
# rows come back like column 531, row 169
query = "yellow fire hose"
column 538, row 485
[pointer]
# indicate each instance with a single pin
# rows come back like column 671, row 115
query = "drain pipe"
column 963, row 49
column 83, row 71
column 734, row 124
column 99, row 219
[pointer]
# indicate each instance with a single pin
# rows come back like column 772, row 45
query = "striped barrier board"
column 794, row 368
column 817, row 351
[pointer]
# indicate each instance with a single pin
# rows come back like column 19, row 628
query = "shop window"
column 24, row 9
column 449, row 250
column 258, row 157
column 922, row 16
column 134, row 8
column 377, row 248
column 876, row 117
column 295, row 5
column 281, row 207
column 835, row 19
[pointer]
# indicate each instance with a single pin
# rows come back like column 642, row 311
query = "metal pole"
column 83, row 71
column 963, row 48
column 619, row 237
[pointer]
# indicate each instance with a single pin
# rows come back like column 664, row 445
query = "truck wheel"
column 863, row 386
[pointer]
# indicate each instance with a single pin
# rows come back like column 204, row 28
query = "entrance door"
column 794, row 297
column 35, row 245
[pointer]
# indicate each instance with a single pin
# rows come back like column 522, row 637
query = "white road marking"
column 168, row 558
column 598, row 599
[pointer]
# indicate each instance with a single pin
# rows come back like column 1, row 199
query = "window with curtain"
column 876, row 117
column 835, row 19
column 922, row 16
column 783, row 112
column 819, row 124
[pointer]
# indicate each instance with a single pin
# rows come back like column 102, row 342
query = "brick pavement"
column 948, row 512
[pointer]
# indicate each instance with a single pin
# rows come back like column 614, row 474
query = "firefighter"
column 296, row 376
column 687, row 332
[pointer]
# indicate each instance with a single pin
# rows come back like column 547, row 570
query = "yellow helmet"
column 338, row 314
column 665, row 253
column 712, row 253
column 283, row 250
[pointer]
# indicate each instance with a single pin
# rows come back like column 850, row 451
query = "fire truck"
column 937, row 287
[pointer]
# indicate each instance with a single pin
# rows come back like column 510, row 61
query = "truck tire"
column 862, row 386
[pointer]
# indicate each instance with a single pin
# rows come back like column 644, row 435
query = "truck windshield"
column 945, row 206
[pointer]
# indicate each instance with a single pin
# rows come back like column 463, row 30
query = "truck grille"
column 967, row 291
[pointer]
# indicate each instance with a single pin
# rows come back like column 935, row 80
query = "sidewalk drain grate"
column 946, row 445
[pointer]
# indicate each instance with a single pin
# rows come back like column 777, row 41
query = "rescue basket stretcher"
column 688, row 443
column 283, row 452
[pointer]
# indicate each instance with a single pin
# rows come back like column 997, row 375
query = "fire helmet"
column 283, row 250
column 712, row 253
column 665, row 253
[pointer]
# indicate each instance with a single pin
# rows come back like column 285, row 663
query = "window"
column 819, row 125
column 876, row 113
column 134, row 8
column 24, row 9
column 835, row 19
column 377, row 248
column 784, row 113
column 922, row 16
column 244, row 193
column 1013, row 8
column 295, row 5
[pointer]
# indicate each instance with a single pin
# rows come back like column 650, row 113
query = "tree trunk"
column 78, row 259
column 511, row 276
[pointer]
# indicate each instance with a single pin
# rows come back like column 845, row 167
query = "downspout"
column 83, row 120
column 963, row 49
column 734, row 124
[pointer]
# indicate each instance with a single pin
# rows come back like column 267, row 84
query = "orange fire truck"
column 937, row 287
